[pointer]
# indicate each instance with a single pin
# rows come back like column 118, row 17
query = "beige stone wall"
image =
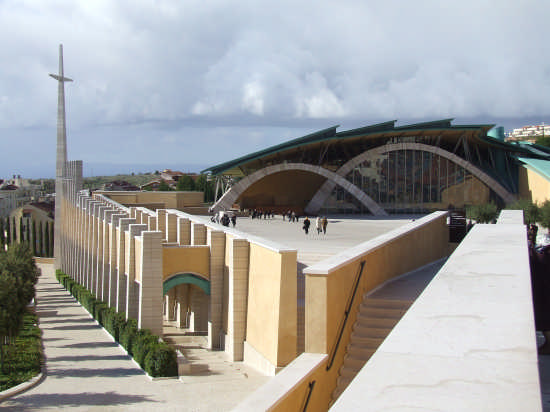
column 533, row 186
column 328, row 289
column 164, row 200
column 137, row 258
column 271, row 326
column 185, row 259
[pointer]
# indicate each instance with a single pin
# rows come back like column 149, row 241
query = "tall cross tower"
column 61, row 157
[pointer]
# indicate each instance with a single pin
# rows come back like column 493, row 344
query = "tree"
column 185, row 184
column 21, row 230
column 543, row 141
column 163, row 187
column 8, row 231
column 40, row 239
column 530, row 210
column 2, row 237
column 484, row 213
column 47, row 250
column 202, row 184
column 544, row 217
column 34, row 239
column 11, row 312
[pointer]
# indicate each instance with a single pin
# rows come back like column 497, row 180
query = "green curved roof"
column 386, row 129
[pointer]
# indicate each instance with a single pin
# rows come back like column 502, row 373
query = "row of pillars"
column 116, row 253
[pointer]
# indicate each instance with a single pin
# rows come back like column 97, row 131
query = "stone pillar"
column 114, row 243
column 199, row 310
column 169, row 305
column 150, row 298
column 122, row 278
column 161, row 222
column 171, row 227
column 237, row 298
column 104, row 255
column 184, row 231
column 152, row 222
column 216, row 241
column 132, row 286
column 182, row 305
column 198, row 234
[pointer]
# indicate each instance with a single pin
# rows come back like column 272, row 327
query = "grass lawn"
column 22, row 359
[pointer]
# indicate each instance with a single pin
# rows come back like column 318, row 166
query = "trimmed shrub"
column 99, row 308
column 127, row 334
column 530, row 210
column 141, row 344
column 107, row 318
column 161, row 361
column 119, row 323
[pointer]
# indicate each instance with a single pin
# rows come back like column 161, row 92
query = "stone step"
column 385, row 303
column 361, row 353
column 369, row 332
column 373, row 322
column 365, row 342
column 377, row 312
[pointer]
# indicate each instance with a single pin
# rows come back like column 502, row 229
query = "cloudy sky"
column 188, row 84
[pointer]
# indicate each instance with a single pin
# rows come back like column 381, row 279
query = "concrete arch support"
column 326, row 189
column 229, row 198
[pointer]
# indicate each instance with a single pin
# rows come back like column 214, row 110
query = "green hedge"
column 127, row 335
column 23, row 358
column 161, row 361
column 156, row 358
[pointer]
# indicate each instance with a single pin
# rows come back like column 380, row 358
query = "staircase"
column 375, row 320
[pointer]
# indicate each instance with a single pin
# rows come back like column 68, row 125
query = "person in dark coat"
column 324, row 222
column 306, row 225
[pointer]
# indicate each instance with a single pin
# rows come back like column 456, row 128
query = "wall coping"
column 277, row 247
column 333, row 263
column 272, row 392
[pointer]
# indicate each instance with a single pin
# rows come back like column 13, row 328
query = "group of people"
column 321, row 224
column 258, row 214
column 225, row 218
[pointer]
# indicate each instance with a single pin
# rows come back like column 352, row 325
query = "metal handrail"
column 346, row 315
column 311, row 385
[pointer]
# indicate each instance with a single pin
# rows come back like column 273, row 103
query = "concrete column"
column 122, row 280
column 161, row 222
column 150, row 299
column 198, row 234
column 216, row 241
column 104, row 255
column 171, row 227
column 152, row 222
column 132, row 286
column 114, row 244
column 184, row 231
column 199, row 310
column 169, row 305
column 132, row 212
column 96, row 239
column 99, row 250
column 182, row 305
column 237, row 298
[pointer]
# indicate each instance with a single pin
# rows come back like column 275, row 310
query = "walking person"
column 318, row 224
column 234, row 219
column 306, row 225
column 325, row 223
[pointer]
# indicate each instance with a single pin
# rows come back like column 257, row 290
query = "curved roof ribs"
column 229, row 197
column 325, row 190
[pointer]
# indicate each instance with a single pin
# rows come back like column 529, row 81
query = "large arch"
column 229, row 197
column 186, row 278
column 326, row 189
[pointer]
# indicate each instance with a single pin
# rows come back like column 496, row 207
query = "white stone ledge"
column 467, row 343
column 264, row 398
column 335, row 262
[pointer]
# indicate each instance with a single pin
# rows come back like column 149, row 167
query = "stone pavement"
column 86, row 370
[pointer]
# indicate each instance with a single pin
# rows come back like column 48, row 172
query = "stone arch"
column 186, row 278
column 324, row 191
column 229, row 197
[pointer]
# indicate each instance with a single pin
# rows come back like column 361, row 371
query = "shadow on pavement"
column 91, row 345
column 88, row 358
column 40, row 401
column 93, row 373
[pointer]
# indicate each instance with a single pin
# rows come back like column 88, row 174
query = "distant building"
column 119, row 185
column 168, row 176
column 528, row 133
column 16, row 192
